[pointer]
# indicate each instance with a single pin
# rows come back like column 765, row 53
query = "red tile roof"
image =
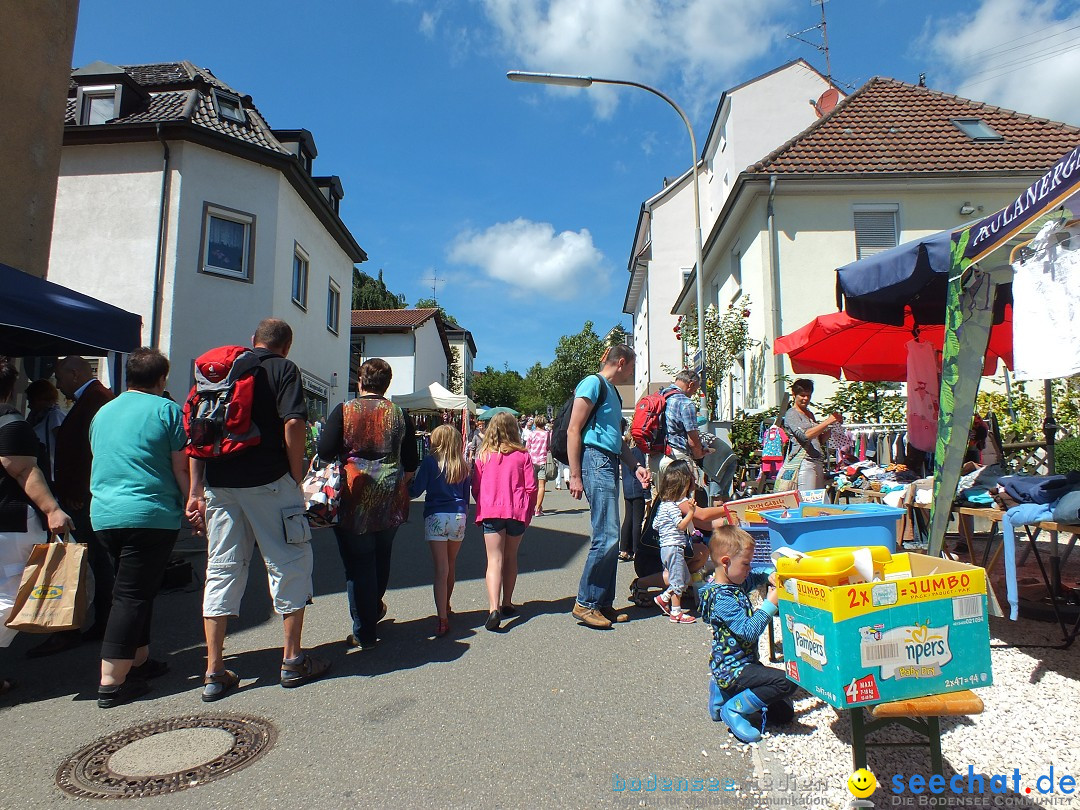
column 390, row 318
column 891, row 126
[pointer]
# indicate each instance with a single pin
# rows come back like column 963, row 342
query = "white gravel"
column 1031, row 721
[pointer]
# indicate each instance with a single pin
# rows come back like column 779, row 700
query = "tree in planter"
column 727, row 339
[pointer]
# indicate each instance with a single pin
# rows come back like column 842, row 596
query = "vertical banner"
column 969, row 314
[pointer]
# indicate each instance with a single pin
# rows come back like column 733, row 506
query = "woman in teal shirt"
column 137, row 480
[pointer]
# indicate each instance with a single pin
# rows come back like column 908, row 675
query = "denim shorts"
column 513, row 528
column 444, row 526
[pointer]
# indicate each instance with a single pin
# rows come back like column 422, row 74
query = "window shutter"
column 875, row 231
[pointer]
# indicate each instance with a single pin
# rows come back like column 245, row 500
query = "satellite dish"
column 827, row 101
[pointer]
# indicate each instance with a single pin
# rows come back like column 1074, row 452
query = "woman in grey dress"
column 805, row 449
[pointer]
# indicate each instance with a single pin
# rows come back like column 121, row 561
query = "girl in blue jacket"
column 444, row 475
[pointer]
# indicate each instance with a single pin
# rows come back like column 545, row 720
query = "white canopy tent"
column 434, row 398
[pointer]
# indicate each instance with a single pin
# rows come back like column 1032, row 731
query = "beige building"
column 892, row 163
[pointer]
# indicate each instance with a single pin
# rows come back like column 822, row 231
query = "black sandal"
column 219, row 684
column 308, row 668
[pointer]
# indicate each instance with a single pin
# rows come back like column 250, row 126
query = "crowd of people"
column 114, row 472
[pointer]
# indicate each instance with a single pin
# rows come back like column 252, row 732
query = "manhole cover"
column 165, row 756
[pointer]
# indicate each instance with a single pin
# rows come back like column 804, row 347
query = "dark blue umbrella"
column 913, row 275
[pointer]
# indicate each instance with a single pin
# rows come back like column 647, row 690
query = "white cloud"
column 531, row 258
column 1013, row 53
column 705, row 43
column 428, row 21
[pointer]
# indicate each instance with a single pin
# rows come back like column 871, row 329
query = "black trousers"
column 100, row 561
column 633, row 516
column 769, row 684
column 366, row 558
column 141, row 556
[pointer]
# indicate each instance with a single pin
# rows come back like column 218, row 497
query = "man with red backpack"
column 676, row 435
column 247, row 421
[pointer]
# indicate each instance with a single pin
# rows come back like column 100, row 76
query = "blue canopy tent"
column 914, row 275
column 39, row 318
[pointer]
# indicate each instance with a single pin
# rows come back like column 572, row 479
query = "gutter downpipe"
column 774, row 267
column 155, row 316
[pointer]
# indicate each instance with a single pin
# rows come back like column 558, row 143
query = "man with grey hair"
column 680, row 417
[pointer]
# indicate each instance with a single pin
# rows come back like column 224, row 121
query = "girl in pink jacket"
column 504, row 488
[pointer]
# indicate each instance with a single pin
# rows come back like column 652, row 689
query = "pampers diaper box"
column 921, row 630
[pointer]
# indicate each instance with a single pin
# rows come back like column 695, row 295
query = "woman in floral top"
column 376, row 443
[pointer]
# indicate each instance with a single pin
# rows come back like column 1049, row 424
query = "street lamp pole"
column 586, row 81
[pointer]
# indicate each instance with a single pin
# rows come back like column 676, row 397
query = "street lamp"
column 563, row 80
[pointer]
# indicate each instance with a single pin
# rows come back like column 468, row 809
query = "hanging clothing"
column 772, row 446
column 1046, row 307
column 922, row 399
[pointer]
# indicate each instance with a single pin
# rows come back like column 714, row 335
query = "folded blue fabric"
column 1067, row 510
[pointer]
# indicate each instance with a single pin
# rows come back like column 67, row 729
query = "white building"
column 892, row 163
column 461, row 339
column 751, row 120
column 412, row 341
column 176, row 200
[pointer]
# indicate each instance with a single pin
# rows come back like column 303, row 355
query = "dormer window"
column 977, row 129
column 97, row 105
column 229, row 107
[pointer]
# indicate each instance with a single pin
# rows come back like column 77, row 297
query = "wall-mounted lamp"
column 967, row 209
column 333, row 380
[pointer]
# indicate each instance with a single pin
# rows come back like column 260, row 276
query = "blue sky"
column 523, row 199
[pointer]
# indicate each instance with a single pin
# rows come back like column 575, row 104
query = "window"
column 977, row 129
column 875, row 229
column 333, row 307
column 97, row 105
column 228, row 242
column 686, row 271
column 300, row 266
column 229, row 107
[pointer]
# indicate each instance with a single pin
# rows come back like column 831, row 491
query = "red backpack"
column 217, row 413
column 649, row 428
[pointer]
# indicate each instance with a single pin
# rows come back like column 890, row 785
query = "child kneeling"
column 741, row 685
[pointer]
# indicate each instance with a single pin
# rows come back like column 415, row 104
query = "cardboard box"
column 922, row 631
column 737, row 510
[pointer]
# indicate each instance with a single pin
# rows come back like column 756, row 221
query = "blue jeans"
column 600, row 479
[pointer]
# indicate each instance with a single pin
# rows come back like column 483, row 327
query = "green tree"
column 431, row 303
column 537, row 391
column 371, row 293
column 454, row 381
column 727, row 338
column 576, row 357
column 494, row 388
column 868, row 402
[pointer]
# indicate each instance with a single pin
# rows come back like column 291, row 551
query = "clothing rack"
column 883, row 426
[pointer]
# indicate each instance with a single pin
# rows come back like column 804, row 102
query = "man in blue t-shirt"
column 594, row 445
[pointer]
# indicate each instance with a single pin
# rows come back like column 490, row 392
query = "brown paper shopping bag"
column 52, row 595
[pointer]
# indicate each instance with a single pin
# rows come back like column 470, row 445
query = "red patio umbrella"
column 875, row 352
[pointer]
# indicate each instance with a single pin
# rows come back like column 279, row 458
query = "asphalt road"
column 544, row 713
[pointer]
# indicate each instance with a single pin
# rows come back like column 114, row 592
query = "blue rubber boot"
column 734, row 712
column 717, row 698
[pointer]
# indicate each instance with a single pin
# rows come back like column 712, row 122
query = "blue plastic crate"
column 860, row 524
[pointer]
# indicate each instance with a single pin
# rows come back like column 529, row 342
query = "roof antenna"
column 434, row 281
column 824, row 46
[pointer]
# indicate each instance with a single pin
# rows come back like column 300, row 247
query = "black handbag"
column 650, row 537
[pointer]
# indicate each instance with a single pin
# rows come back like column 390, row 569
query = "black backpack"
column 559, row 448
